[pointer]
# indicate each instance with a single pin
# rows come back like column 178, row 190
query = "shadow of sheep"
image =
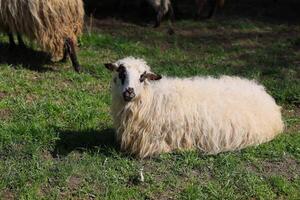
column 89, row 140
column 26, row 57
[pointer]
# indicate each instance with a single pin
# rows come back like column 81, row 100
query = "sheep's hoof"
column 78, row 69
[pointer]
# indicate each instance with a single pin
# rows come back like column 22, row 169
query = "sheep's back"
column 48, row 22
column 215, row 114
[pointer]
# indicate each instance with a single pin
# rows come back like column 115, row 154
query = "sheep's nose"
column 128, row 94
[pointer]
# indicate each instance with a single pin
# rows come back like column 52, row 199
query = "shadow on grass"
column 90, row 140
column 26, row 57
column 268, row 11
column 143, row 15
column 281, row 12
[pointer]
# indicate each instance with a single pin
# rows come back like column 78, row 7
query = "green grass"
column 56, row 132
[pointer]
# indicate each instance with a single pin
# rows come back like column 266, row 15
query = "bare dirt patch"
column 5, row 114
column 46, row 155
column 107, row 24
column 2, row 95
column 7, row 195
column 74, row 182
column 30, row 98
column 288, row 168
column 292, row 117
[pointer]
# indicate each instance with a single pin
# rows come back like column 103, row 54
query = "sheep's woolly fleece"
column 48, row 22
column 160, row 5
column 209, row 114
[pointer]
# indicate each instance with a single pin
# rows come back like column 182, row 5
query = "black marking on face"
column 143, row 77
column 122, row 74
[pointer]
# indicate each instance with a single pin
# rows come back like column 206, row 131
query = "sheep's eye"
column 122, row 74
column 122, row 77
column 143, row 77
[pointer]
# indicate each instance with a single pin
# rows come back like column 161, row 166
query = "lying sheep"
column 54, row 24
column 153, row 115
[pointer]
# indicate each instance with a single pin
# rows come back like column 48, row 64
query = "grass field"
column 56, row 131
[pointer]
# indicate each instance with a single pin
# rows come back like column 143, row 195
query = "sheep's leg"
column 65, row 56
column 200, row 6
column 171, row 13
column 70, row 48
column 172, row 18
column 175, row 8
column 213, row 9
column 21, row 42
column 12, row 43
column 159, row 17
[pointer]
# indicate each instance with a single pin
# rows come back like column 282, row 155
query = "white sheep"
column 153, row 115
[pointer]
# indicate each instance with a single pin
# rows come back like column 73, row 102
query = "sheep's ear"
column 110, row 66
column 153, row 77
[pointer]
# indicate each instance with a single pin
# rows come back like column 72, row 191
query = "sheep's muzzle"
column 129, row 94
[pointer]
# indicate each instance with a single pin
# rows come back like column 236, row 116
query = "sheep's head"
column 130, row 76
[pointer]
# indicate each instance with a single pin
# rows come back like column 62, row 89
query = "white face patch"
column 127, row 81
column 133, row 79
column 130, row 76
